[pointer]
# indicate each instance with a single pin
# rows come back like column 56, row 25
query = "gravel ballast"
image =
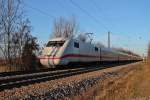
column 64, row 87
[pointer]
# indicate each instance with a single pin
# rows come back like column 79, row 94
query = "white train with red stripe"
column 64, row 51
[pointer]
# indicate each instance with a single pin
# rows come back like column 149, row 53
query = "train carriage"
column 63, row 51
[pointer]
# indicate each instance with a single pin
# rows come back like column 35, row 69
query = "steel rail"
column 22, row 80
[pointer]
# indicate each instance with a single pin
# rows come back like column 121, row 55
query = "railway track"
column 9, row 82
column 18, row 80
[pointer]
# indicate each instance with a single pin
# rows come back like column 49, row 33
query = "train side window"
column 96, row 49
column 76, row 44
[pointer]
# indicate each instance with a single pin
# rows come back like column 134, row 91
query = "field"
column 135, row 85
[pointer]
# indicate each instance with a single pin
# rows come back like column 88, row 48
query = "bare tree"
column 9, row 15
column 64, row 27
column 28, row 54
column 24, row 45
column 14, row 32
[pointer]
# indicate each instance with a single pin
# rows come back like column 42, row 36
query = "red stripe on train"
column 69, row 55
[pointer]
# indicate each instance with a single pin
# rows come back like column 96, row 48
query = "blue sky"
column 128, row 20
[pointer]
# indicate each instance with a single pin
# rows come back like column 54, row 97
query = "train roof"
column 115, row 51
column 58, row 39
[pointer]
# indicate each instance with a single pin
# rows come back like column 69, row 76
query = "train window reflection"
column 96, row 49
column 76, row 44
column 55, row 43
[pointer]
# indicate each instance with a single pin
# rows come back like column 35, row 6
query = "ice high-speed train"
column 62, row 51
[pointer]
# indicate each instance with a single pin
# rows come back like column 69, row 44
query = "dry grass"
column 140, row 81
column 4, row 68
column 135, row 85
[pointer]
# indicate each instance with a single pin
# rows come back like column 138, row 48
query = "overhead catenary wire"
column 95, row 4
column 75, row 4
column 88, row 14
column 59, row 2
column 99, row 9
column 41, row 11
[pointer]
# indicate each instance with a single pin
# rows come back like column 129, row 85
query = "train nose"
column 44, row 61
column 49, row 61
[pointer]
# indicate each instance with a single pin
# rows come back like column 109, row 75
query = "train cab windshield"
column 55, row 43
